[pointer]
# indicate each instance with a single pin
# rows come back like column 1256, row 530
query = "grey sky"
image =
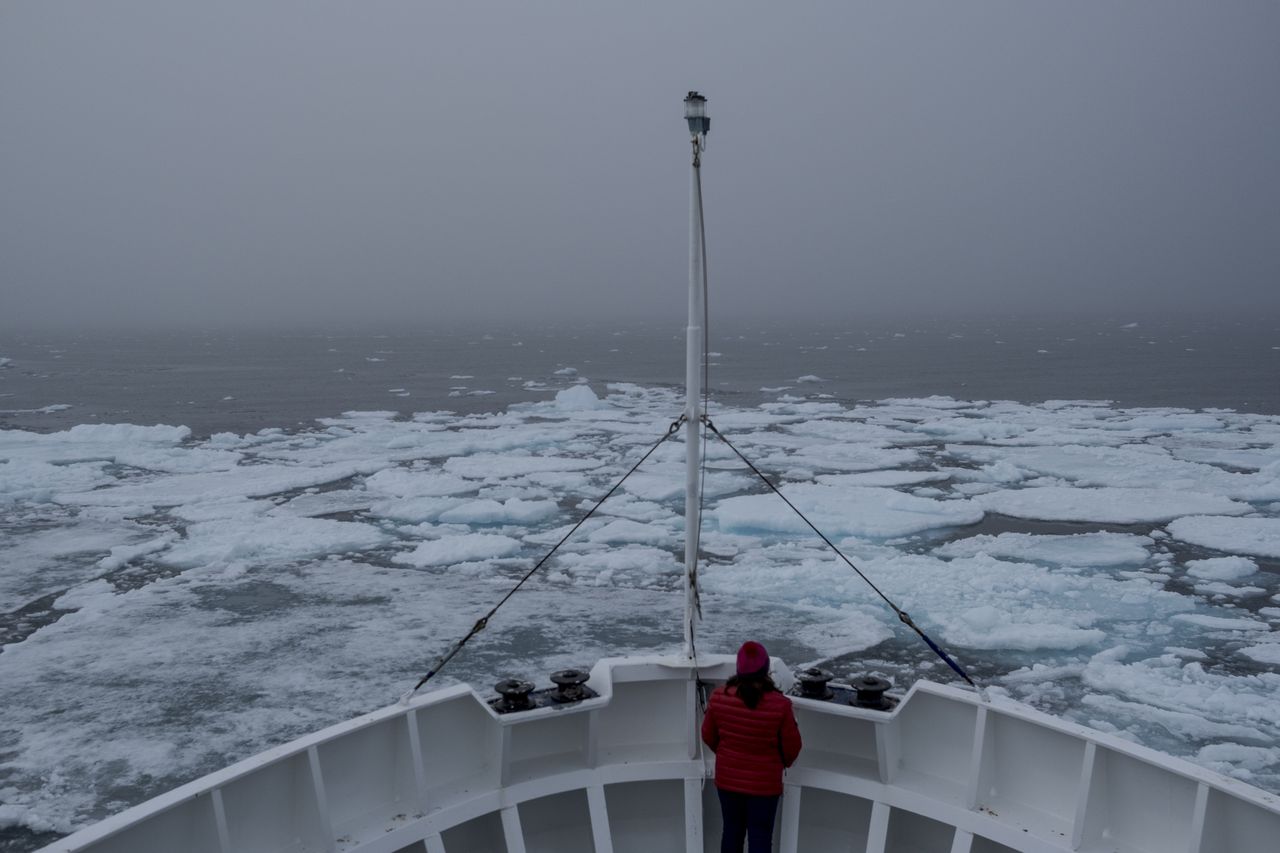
column 312, row 162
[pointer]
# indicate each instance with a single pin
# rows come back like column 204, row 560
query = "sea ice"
column 882, row 478
column 661, row 483
column 418, row 509
column 1188, row 701
column 85, row 595
column 1245, row 458
column 1080, row 549
column 37, row 482
column 1263, row 653
column 513, row 511
column 580, row 398
column 627, row 506
column 1129, row 467
column 989, row 627
column 221, row 508
column 404, row 483
column 266, row 632
column 485, row 466
column 1217, row 588
column 1107, row 505
column 274, row 539
column 931, row 404
column 1222, row 568
column 242, row 481
column 1233, row 759
column 637, row 565
column 849, row 432
column 17, row 814
column 852, row 511
column 326, row 503
column 839, row 457
column 1222, row 623
column 450, row 550
column 625, row 531
column 211, row 673
column 122, row 555
column 44, row 561
column 1259, row 536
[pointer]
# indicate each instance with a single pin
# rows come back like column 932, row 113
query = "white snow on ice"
column 1115, row 506
column 1258, row 536
column 210, row 597
column 1079, row 549
column 1222, row 568
column 852, row 511
column 449, row 550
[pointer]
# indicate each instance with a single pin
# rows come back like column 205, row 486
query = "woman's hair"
column 751, row 687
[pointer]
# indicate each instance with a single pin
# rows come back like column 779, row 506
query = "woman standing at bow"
column 750, row 727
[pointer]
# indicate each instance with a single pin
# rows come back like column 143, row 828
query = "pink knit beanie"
column 752, row 659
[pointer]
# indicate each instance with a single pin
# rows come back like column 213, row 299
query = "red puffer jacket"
column 752, row 746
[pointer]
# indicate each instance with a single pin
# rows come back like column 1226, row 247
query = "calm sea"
column 243, row 382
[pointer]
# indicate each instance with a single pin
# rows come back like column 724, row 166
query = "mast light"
column 695, row 112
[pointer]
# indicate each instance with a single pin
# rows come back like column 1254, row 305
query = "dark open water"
column 244, row 382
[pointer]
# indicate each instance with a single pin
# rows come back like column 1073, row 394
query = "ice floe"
column 1080, row 549
column 882, row 478
column 41, row 562
column 1222, row 623
column 270, row 540
column 36, row 481
column 487, row 511
column 1259, row 536
column 579, row 398
column 450, row 550
column 208, row 597
column 403, row 482
column 1106, row 505
column 1132, row 466
column 1263, row 653
column 1186, row 700
column 492, row 466
column 624, row 531
column 852, row 511
column 1222, row 568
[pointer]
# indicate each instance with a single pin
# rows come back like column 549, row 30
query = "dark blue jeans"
column 748, row 818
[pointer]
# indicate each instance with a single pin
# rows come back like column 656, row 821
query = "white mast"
column 695, row 109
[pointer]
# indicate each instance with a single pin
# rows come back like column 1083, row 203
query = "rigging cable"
column 902, row 615
column 483, row 621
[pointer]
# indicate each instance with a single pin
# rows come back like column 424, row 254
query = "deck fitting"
column 813, row 683
column 569, row 684
column 514, row 695
column 870, row 693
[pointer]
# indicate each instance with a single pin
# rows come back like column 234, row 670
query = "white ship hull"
column 625, row 771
